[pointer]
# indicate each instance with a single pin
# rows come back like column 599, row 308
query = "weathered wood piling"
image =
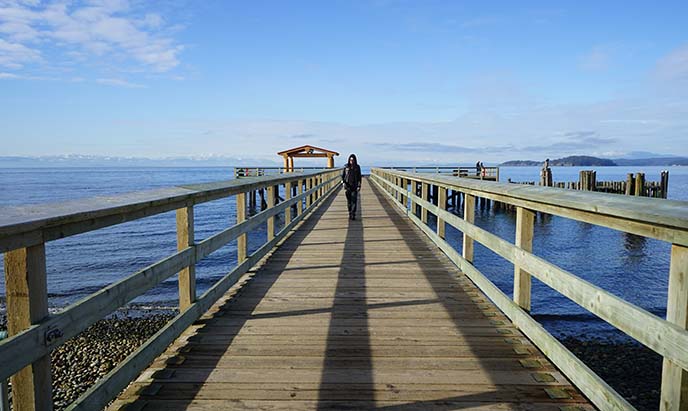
column 634, row 185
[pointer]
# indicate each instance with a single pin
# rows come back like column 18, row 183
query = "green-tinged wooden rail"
column 376, row 313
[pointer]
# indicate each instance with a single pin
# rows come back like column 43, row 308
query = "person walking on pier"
column 351, row 179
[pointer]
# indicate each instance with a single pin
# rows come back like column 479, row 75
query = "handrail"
column 477, row 173
column 656, row 218
column 665, row 220
column 32, row 341
column 257, row 171
column 24, row 226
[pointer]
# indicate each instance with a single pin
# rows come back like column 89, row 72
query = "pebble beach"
column 81, row 361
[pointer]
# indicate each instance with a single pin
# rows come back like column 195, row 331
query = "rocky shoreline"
column 81, row 361
column 631, row 369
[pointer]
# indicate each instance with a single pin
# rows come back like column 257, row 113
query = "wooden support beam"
column 424, row 196
column 640, row 184
column 442, row 204
column 27, row 304
column 469, row 216
column 240, row 217
column 524, row 239
column 674, row 393
column 271, row 220
column 330, row 161
column 185, row 238
column 630, row 184
column 306, row 155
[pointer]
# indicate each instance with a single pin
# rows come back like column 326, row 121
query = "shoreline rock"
column 632, row 369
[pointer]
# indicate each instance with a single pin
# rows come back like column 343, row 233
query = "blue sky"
column 391, row 80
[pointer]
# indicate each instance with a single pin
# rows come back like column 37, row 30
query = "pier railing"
column 241, row 172
column 34, row 333
column 486, row 173
column 654, row 218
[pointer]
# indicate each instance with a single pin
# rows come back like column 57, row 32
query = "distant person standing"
column 351, row 179
column 478, row 166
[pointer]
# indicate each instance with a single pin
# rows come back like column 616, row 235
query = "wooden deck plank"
column 363, row 314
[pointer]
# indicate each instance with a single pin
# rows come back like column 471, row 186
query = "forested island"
column 586, row 161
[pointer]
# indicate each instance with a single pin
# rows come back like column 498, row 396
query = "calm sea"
column 631, row 267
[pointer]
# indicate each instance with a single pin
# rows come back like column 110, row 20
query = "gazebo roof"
column 307, row 149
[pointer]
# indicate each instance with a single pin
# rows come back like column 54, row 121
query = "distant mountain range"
column 76, row 160
column 586, row 161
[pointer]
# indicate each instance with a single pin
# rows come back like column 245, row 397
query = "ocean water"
column 634, row 268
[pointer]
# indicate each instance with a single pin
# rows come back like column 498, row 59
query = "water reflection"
column 635, row 244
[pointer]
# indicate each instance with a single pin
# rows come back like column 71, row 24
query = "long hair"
column 350, row 157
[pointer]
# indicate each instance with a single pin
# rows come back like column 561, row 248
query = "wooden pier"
column 362, row 314
column 377, row 313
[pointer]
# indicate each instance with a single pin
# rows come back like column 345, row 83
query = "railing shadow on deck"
column 338, row 366
column 456, row 313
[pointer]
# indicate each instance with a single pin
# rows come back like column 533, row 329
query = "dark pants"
column 351, row 200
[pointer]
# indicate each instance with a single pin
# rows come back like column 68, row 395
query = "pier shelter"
column 306, row 151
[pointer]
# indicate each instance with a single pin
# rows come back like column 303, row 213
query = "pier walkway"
column 364, row 314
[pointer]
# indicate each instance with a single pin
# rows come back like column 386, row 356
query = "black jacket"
column 351, row 176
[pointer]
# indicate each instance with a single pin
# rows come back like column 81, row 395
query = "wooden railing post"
column 321, row 190
column 424, row 196
column 299, row 205
column 316, row 193
column 524, row 239
column 287, row 196
column 240, row 217
column 674, row 394
column 271, row 220
column 27, row 304
column 413, row 191
column 442, row 204
column 185, row 238
column 469, row 216
column 309, row 197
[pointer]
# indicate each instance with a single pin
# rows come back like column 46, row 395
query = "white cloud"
column 674, row 66
column 598, row 59
column 117, row 82
column 15, row 55
column 111, row 28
